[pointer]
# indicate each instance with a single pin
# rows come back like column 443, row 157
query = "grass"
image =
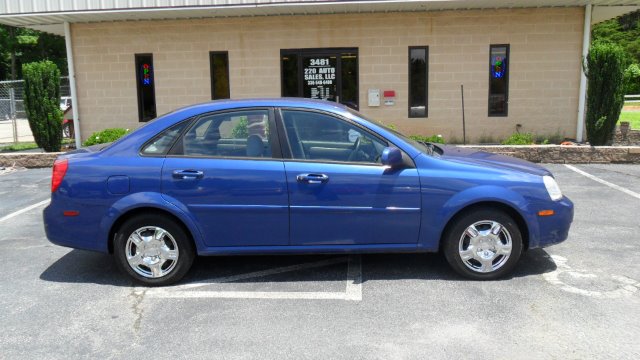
column 633, row 117
column 19, row 147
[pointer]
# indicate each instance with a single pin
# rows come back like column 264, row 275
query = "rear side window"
column 161, row 144
column 231, row 134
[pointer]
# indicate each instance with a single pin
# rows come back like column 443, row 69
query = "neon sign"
column 498, row 67
column 146, row 74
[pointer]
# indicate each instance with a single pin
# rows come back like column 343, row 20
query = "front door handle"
column 312, row 178
column 188, row 174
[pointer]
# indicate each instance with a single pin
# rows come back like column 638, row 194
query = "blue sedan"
column 291, row 176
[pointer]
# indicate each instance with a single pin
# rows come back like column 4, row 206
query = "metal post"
column 12, row 113
column 582, row 96
column 464, row 127
column 72, row 84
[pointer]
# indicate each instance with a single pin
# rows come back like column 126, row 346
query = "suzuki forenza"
column 289, row 176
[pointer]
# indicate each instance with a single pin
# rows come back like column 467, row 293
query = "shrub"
column 605, row 91
column 519, row 139
column 428, row 139
column 105, row 136
column 42, row 103
column 556, row 138
column 632, row 80
column 241, row 131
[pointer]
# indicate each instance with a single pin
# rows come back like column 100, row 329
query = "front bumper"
column 555, row 228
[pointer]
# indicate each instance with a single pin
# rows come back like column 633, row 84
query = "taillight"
column 59, row 170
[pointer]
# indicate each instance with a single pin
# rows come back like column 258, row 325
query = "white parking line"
column 22, row 211
column 604, row 182
column 353, row 291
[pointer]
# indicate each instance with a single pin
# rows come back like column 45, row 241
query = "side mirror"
column 391, row 157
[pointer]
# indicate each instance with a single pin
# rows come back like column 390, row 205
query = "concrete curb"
column 557, row 154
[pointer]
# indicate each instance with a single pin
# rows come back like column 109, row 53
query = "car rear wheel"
column 153, row 250
column 483, row 245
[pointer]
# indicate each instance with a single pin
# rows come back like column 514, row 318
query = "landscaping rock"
column 28, row 160
column 560, row 154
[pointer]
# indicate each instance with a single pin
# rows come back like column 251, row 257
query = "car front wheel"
column 153, row 250
column 483, row 244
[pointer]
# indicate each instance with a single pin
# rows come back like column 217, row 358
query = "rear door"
column 227, row 170
column 339, row 192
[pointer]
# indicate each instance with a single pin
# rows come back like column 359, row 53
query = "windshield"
column 427, row 148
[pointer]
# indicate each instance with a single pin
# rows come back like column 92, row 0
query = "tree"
column 42, row 103
column 605, row 92
column 21, row 45
column 624, row 31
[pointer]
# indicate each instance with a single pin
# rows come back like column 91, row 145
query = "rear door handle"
column 312, row 178
column 188, row 174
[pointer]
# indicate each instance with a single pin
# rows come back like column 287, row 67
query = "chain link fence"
column 14, row 126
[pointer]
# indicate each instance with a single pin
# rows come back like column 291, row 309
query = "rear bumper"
column 73, row 232
column 554, row 229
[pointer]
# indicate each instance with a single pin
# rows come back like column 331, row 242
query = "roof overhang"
column 28, row 14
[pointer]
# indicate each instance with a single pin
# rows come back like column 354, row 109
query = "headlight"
column 552, row 187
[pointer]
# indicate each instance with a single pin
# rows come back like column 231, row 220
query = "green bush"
column 241, row 131
column 519, row 139
column 428, row 139
column 632, row 80
column 605, row 91
column 105, row 136
column 42, row 103
column 556, row 138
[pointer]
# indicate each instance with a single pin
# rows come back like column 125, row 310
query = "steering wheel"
column 356, row 149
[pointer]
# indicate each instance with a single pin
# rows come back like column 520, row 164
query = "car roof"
column 215, row 105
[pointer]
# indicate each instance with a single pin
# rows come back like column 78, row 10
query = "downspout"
column 582, row 97
column 72, row 84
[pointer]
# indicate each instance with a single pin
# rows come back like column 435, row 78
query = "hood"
column 485, row 159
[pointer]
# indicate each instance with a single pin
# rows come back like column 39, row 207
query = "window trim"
column 139, row 87
column 506, row 78
column 426, row 92
column 286, row 147
column 276, row 150
column 212, row 76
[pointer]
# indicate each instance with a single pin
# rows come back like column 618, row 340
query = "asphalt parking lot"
column 578, row 299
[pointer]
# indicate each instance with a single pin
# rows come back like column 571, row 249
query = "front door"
column 325, row 74
column 339, row 192
column 225, row 171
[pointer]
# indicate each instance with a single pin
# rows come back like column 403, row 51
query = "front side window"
column 498, row 80
column 317, row 136
column 231, row 134
column 418, row 81
column 145, row 84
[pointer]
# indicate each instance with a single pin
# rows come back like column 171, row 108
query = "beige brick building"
column 539, row 88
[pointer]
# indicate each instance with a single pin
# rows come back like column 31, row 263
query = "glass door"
column 326, row 74
column 320, row 80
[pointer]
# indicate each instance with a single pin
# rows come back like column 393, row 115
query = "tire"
column 489, row 252
column 153, row 250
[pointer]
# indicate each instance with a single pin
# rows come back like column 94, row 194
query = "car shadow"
column 80, row 266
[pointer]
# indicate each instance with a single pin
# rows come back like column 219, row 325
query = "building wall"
column 544, row 66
